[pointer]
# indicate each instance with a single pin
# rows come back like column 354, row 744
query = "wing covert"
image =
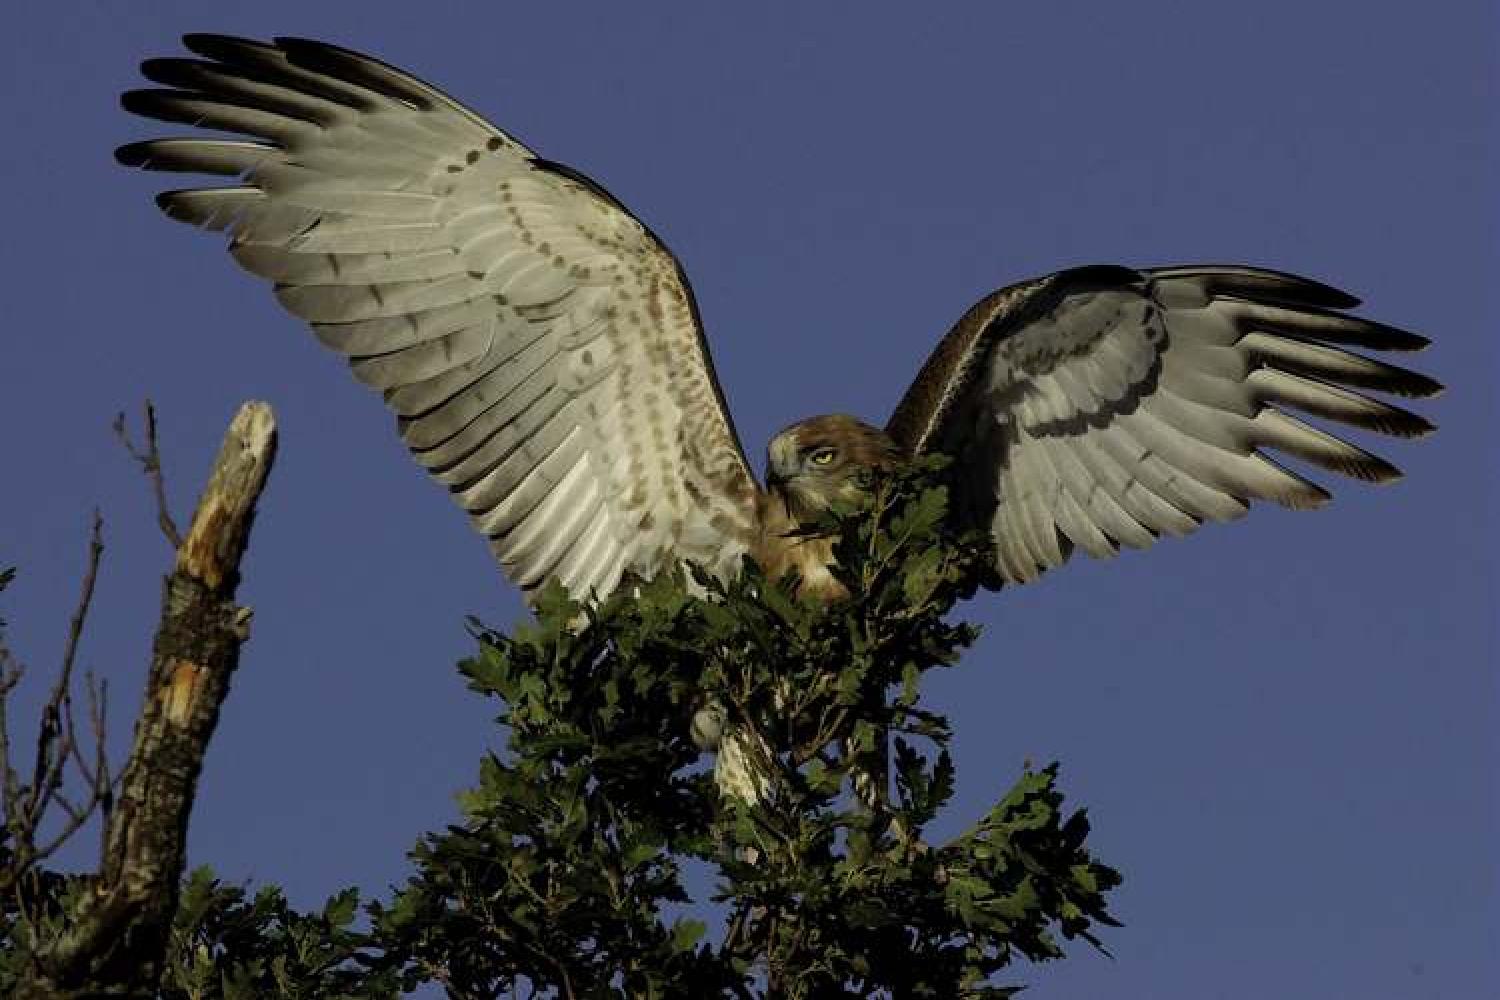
column 1103, row 407
column 540, row 346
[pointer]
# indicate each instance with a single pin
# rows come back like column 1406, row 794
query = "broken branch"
column 117, row 939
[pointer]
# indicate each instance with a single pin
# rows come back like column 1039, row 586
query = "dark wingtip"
column 299, row 42
column 1263, row 283
column 1320, row 293
column 173, row 71
column 209, row 43
column 134, row 154
column 1397, row 422
column 1309, row 290
column 298, row 47
column 1404, row 340
column 143, row 101
column 359, row 68
column 1371, row 469
column 1420, row 386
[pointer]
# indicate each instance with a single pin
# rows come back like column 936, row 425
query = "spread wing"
column 1103, row 407
column 540, row 347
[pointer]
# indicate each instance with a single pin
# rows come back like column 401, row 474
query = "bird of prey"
column 546, row 361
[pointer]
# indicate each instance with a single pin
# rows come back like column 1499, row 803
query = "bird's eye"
column 822, row 456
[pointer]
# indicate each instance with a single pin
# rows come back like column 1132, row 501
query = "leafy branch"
column 569, row 873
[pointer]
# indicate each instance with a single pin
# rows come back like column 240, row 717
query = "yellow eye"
column 822, row 456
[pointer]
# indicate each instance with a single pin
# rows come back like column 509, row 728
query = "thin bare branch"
column 62, row 697
column 67, row 806
column 28, row 805
column 54, row 742
column 77, row 817
column 150, row 459
column 103, row 782
column 81, row 611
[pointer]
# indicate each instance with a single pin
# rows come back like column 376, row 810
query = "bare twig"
column 98, row 690
column 85, row 601
column 96, row 771
column 150, row 459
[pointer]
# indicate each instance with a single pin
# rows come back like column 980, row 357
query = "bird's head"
column 819, row 461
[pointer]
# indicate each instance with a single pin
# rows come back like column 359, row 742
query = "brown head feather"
column 809, row 466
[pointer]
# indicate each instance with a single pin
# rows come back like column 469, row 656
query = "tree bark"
column 116, row 941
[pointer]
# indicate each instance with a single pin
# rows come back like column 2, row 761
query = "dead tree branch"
column 28, row 804
column 150, row 459
column 115, row 941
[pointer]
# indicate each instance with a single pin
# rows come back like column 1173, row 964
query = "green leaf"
column 340, row 909
column 922, row 576
column 640, row 853
column 687, row 933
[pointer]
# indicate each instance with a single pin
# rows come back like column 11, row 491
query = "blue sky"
column 1284, row 728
